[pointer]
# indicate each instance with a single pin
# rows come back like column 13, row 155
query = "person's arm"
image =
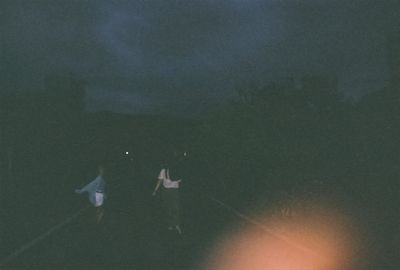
column 86, row 188
column 161, row 177
column 81, row 190
column 157, row 187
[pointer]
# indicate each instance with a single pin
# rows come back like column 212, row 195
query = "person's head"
column 100, row 170
column 177, row 155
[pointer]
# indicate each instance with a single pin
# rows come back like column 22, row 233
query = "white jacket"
column 95, row 190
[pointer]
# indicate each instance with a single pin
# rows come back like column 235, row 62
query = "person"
column 169, row 181
column 96, row 193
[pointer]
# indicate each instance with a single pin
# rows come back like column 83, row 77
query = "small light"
column 185, row 154
column 126, row 153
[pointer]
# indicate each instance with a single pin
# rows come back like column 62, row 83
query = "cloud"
column 191, row 52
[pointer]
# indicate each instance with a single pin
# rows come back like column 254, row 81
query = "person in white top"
column 96, row 193
column 170, row 197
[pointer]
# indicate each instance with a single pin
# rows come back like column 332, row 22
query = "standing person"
column 169, row 181
column 96, row 193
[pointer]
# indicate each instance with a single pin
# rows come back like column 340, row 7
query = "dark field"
column 132, row 234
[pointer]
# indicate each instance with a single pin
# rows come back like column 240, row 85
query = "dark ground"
column 132, row 234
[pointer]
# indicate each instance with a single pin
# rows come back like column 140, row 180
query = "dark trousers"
column 170, row 197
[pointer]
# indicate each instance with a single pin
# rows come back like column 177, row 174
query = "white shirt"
column 95, row 190
column 166, row 181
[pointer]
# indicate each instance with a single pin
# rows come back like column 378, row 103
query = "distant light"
column 126, row 153
column 185, row 154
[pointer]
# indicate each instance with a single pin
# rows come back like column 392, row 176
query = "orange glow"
column 307, row 241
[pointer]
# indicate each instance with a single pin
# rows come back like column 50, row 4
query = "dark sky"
column 188, row 56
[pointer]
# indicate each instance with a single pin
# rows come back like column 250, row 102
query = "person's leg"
column 99, row 214
column 166, row 200
column 175, row 211
column 171, row 203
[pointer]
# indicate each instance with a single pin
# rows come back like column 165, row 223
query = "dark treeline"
column 290, row 130
column 302, row 130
